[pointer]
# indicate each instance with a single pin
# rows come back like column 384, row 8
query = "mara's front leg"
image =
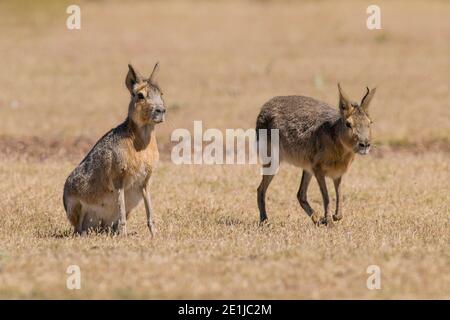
column 338, row 214
column 120, row 205
column 148, row 210
column 303, row 199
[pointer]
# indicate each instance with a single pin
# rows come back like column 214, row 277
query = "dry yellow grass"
column 210, row 246
column 219, row 63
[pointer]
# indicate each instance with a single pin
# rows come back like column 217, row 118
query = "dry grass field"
column 60, row 90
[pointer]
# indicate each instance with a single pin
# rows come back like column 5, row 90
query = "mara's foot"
column 316, row 218
column 80, row 233
column 328, row 221
column 152, row 229
column 262, row 218
column 337, row 217
column 264, row 223
column 122, row 230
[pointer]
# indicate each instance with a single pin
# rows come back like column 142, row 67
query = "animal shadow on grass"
column 55, row 233
column 68, row 233
column 239, row 223
column 228, row 221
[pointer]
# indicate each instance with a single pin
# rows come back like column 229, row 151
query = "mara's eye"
column 348, row 124
column 141, row 96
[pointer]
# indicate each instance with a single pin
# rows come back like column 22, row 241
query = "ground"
column 61, row 90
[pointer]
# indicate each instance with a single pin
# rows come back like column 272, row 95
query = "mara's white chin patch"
column 364, row 151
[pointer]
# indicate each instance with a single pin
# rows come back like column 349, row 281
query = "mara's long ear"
column 155, row 71
column 345, row 104
column 133, row 77
column 365, row 101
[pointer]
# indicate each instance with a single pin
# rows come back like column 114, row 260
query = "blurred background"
column 61, row 89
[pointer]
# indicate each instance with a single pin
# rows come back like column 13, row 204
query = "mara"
column 318, row 138
column 114, row 176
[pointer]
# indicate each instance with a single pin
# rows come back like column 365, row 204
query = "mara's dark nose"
column 364, row 144
column 160, row 110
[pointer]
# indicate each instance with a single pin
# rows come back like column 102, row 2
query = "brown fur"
column 318, row 138
column 113, row 177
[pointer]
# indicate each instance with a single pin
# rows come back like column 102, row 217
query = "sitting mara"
column 318, row 138
column 114, row 176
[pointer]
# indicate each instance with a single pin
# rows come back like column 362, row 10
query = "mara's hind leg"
column 78, row 215
column 303, row 199
column 266, row 179
column 92, row 222
column 328, row 219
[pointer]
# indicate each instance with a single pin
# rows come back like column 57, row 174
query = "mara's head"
column 146, row 105
column 357, row 122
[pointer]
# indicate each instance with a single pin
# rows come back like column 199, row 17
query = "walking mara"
column 318, row 138
column 114, row 176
